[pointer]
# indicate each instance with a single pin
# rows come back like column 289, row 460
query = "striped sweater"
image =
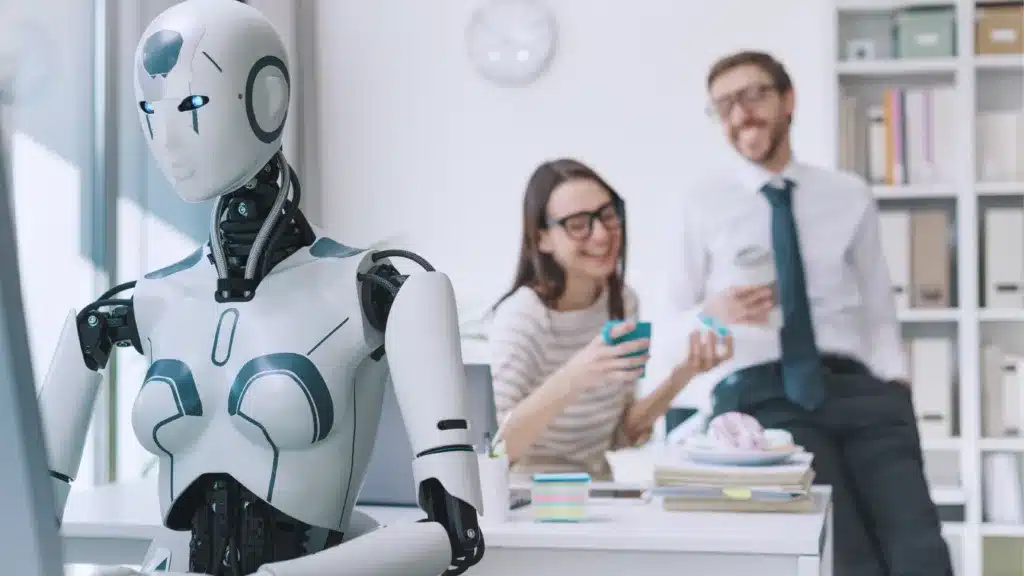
column 529, row 342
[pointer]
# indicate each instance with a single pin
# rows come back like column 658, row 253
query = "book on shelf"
column 909, row 138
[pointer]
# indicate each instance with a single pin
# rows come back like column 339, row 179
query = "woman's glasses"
column 580, row 225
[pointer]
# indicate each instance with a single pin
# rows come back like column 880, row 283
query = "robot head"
column 212, row 90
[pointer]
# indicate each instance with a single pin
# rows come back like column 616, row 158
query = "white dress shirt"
column 848, row 283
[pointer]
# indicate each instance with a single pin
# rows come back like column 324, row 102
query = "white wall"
column 415, row 144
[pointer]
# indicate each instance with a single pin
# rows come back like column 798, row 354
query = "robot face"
column 212, row 90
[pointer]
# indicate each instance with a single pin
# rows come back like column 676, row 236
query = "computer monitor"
column 29, row 538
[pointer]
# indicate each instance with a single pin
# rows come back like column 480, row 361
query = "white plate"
column 739, row 457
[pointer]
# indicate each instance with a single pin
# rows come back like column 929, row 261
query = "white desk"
column 114, row 525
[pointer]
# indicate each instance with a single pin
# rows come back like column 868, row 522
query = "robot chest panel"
column 278, row 371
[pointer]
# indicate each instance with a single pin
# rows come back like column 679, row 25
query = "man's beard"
column 775, row 138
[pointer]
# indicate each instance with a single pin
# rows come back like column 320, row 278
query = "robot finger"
column 413, row 549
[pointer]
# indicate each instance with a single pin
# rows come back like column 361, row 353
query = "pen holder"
column 494, row 487
column 560, row 497
column 642, row 330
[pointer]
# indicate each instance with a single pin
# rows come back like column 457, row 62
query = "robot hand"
column 446, row 478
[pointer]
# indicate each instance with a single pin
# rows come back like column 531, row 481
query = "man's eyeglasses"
column 580, row 225
column 747, row 97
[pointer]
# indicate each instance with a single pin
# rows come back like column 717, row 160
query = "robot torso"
column 282, row 392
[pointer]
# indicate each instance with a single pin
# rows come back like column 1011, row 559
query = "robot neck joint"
column 244, row 213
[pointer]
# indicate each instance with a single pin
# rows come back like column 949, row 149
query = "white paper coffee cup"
column 494, row 487
column 755, row 266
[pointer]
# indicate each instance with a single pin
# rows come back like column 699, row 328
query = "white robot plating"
column 270, row 346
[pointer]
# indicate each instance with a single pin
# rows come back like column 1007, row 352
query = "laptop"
column 29, row 538
column 389, row 479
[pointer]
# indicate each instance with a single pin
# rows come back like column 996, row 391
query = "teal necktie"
column 802, row 374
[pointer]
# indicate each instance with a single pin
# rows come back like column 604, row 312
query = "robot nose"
column 166, row 135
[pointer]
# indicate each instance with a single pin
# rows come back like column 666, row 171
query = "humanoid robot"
column 270, row 346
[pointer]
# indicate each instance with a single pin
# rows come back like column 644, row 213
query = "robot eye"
column 193, row 103
column 146, row 107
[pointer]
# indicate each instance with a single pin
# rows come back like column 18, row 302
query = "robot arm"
column 418, row 316
column 425, row 358
column 72, row 382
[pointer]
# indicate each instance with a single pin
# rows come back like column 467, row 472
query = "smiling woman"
column 563, row 366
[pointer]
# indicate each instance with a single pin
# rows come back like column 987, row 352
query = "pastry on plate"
column 738, row 431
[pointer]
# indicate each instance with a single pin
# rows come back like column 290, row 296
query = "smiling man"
column 832, row 372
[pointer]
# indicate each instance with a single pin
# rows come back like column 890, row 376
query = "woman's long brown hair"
column 539, row 271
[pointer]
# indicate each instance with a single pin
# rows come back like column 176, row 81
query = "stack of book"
column 689, row 486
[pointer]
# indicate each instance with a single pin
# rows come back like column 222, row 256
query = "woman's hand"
column 602, row 363
column 707, row 350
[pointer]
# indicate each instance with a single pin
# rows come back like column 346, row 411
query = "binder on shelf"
column 1000, row 136
column 1002, row 489
column 894, row 227
column 1004, row 257
column 1010, row 391
column 877, row 143
column 931, row 375
column 910, row 137
column 929, row 254
column 992, row 424
column 929, row 131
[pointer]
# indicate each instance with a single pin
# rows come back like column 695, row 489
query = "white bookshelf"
column 980, row 82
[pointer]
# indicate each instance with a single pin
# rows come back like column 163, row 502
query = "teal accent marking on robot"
column 177, row 375
column 327, row 248
column 231, row 337
column 161, row 51
column 190, row 261
column 303, row 372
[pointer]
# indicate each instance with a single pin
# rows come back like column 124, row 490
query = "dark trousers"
column 866, row 447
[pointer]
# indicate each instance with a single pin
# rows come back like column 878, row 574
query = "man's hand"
column 741, row 305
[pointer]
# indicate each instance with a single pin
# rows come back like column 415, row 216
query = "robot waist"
column 232, row 527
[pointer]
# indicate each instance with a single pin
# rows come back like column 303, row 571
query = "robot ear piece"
column 267, row 96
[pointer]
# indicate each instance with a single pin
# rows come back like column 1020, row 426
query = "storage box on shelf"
column 904, row 31
column 927, row 32
column 999, row 28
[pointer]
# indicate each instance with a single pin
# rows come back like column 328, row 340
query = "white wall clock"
column 511, row 41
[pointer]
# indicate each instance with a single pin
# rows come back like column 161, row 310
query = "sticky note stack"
column 560, row 497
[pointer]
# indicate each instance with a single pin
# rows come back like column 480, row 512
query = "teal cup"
column 641, row 331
